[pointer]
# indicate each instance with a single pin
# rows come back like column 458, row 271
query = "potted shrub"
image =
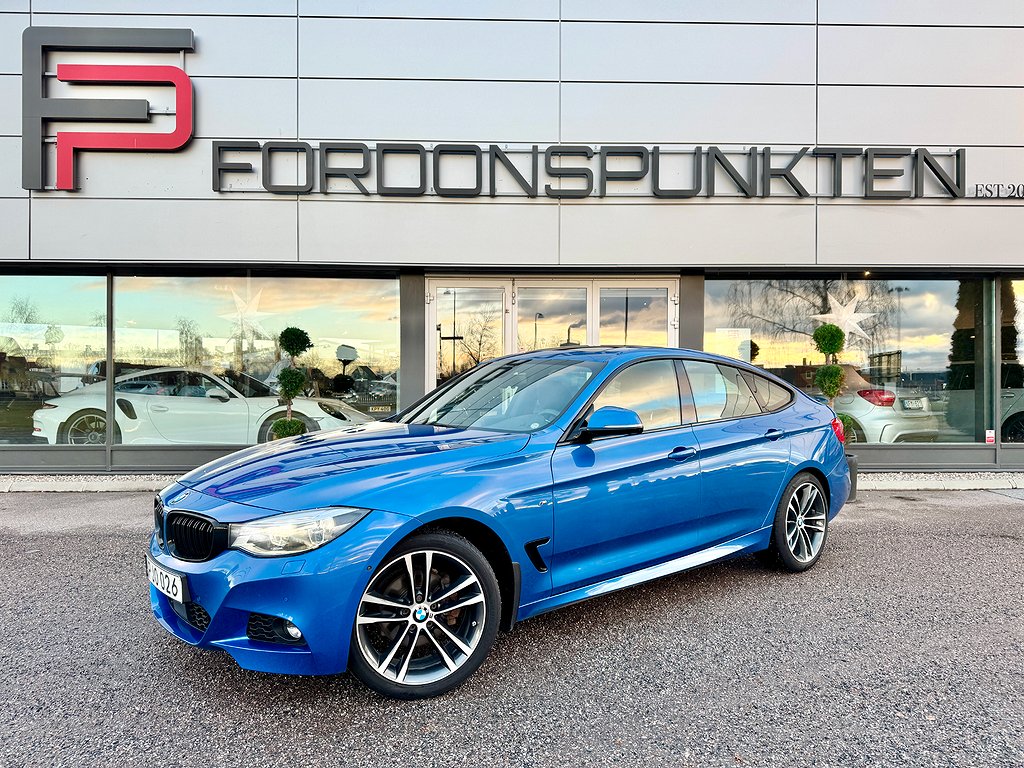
column 291, row 381
column 829, row 340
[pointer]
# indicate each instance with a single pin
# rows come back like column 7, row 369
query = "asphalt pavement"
column 903, row 646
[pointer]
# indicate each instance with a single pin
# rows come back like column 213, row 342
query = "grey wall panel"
column 414, row 48
column 188, row 7
column 225, row 45
column 10, row 168
column 920, row 56
column 931, row 12
column 791, row 11
column 700, row 114
column 10, row 97
column 687, row 235
column 13, row 229
column 438, row 9
column 164, row 230
column 947, row 235
column 428, row 111
column 11, row 27
column 431, row 234
column 688, row 53
column 948, row 117
column 14, row 6
column 247, row 107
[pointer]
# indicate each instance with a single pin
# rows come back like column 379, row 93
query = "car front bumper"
column 318, row 591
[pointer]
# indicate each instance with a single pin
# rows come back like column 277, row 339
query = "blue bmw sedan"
column 398, row 549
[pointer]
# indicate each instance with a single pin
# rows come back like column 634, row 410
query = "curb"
column 32, row 485
column 938, row 484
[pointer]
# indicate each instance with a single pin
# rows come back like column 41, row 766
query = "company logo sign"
column 38, row 109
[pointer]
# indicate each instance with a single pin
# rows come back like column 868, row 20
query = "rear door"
column 625, row 502
column 744, row 450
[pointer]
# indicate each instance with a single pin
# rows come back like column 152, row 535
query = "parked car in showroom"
column 886, row 413
column 181, row 405
column 397, row 549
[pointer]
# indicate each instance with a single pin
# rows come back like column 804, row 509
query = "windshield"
column 246, row 384
column 518, row 395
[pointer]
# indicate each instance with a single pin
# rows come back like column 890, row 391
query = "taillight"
column 837, row 427
column 882, row 397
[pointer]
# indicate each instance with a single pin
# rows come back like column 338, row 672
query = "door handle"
column 1009, row 395
column 682, row 453
column 774, row 434
column 159, row 408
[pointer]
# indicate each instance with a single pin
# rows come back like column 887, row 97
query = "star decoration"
column 845, row 316
column 247, row 316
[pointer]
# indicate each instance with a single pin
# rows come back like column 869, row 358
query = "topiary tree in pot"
column 829, row 378
column 291, row 381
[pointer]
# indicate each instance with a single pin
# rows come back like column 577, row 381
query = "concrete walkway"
column 868, row 481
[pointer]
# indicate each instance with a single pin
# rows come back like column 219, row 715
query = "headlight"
column 294, row 532
column 333, row 410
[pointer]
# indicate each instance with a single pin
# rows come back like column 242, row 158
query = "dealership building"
column 424, row 185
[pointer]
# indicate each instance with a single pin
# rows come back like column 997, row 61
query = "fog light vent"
column 273, row 629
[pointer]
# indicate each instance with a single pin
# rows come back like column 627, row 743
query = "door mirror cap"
column 608, row 421
column 218, row 394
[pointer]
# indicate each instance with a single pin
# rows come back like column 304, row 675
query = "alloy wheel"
column 805, row 522
column 421, row 618
column 89, row 429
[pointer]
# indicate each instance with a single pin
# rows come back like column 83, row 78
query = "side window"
column 650, row 388
column 769, row 395
column 719, row 391
column 165, row 384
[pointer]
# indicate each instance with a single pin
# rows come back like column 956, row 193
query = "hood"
column 340, row 467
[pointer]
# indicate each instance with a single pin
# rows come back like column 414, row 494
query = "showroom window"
column 1011, row 370
column 53, row 342
column 913, row 354
column 197, row 358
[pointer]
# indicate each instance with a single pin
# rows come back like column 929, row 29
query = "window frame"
column 762, row 412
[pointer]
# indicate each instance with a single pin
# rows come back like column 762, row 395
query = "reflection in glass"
column 551, row 317
column 1011, row 372
column 197, row 358
column 637, row 316
column 912, row 374
column 52, row 352
column 470, row 328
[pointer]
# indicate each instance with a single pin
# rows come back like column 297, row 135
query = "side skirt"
column 750, row 541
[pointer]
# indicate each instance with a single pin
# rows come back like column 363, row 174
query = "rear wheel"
column 801, row 524
column 263, row 435
column 87, row 427
column 855, row 435
column 427, row 619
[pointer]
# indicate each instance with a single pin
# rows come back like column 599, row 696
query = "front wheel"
column 801, row 524
column 427, row 619
column 263, row 435
column 1013, row 429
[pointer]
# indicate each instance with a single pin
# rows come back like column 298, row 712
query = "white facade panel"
column 10, row 168
column 787, row 11
column 437, row 9
column 10, row 97
column 11, row 27
column 428, row 49
column 427, row 111
column 942, row 235
column 687, row 235
column 185, row 7
column 920, row 56
column 448, row 234
column 226, row 46
column 688, row 53
column 948, row 117
column 13, row 229
column 982, row 13
column 697, row 114
column 14, row 6
column 246, row 107
column 164, row 230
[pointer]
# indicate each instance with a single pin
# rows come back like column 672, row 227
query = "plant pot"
column 851, row 460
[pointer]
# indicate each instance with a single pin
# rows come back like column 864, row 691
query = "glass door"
column 640, row 313
column 467, row 324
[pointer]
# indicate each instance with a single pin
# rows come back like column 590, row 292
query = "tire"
column 263, row 435
column 856, row 435
column 87, row 427
column 1013, row 429
column 800, row 530
column 400, row 648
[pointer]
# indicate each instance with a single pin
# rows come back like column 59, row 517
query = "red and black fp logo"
column 38, row 108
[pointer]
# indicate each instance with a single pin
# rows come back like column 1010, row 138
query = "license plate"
column 170, row 584
column 912, row 405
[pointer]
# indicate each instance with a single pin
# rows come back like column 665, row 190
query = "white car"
column 184, row 406
column 885, row 414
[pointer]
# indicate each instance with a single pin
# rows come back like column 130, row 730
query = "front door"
column 623, row 503
column 474, row 319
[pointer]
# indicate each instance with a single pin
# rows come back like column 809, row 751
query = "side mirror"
column 608, row 421
column 218, row 394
